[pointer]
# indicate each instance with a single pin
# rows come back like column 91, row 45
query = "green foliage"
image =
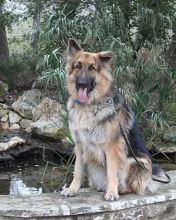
column 19, row 68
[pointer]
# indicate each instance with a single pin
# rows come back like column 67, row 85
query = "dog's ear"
column 73, row 47
column 106, row 56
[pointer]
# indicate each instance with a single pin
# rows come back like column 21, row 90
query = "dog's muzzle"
column 84, row 85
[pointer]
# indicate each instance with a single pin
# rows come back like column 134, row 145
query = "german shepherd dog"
column 109, row 146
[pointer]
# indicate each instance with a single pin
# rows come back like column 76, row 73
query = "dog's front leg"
column 78, row 173
column 112, row 169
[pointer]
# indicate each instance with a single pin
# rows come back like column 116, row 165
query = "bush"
column 20, row 68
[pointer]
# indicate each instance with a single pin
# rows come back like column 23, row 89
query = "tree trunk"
column 35, row 27
column 4, row 50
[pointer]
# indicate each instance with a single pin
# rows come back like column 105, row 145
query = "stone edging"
column 88, row 202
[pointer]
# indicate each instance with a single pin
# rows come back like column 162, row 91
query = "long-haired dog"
column 109, row 146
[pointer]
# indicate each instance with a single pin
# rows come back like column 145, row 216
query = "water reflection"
column 19, row 187
column 32, row 180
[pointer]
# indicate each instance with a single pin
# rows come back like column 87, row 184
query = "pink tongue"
column 82, row 95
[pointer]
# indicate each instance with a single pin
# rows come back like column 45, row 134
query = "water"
column 33, row 180
column 39, row 169
column 14, row 184
column 19, row 187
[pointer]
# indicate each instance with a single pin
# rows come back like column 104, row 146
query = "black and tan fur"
column 96, row 117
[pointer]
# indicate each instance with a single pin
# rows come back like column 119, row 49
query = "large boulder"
column 3, row 90
column 49, row 119
column 27, row 102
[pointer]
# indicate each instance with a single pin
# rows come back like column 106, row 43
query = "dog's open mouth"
column 84, row 86
column 82, row 94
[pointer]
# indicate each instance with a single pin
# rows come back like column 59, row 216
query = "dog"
column 108, row 143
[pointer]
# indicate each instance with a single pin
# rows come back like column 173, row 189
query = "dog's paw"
column 111, row 196
column 68, row 192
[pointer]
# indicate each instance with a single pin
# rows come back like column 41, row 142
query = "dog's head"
column 88, row 74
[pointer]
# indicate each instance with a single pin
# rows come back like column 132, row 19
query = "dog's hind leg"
column 140, row 176
column 115, row 168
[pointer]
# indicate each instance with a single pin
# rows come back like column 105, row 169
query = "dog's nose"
column 82, row 82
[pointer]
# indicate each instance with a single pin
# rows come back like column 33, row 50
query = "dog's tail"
column 159, row 175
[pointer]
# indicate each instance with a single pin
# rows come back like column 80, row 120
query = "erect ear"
column 73, row 47
column 106, row 56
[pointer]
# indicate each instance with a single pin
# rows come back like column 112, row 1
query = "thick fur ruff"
column 101, row 150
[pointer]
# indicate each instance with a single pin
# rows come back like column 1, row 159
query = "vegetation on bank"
column 140, row 33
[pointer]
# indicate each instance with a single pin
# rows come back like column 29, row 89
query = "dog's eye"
column 78, row 66
column 91, row 67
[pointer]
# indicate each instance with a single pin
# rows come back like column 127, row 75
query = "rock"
column 4, row 109
column 11, row 143
column 3, row 90
column 25, row 123
column 3, row 146
column 27, row 102
column 14, row 127
column 4, row 118
column 14, row 141
column 170, row 135
column 5, row 125
column 14, row 117
column 3, row 112
column 46, row 128
column 49, row 119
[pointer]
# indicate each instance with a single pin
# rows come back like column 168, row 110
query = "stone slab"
column 89, row 205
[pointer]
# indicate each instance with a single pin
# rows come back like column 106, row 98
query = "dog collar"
column 105, row 101
column 76, row 101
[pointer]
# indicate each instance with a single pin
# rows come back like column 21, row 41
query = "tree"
column 4, row 50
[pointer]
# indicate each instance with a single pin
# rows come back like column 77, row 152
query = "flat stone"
column 14, row 117
column 4, row 118
column 11, row 143
column 14, row 141
column 90, row 205
column 14, row 127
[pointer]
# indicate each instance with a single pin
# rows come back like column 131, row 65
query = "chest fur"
column 88, row 125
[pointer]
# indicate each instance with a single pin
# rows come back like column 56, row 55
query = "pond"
column 35, row 167
column 33, row 180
